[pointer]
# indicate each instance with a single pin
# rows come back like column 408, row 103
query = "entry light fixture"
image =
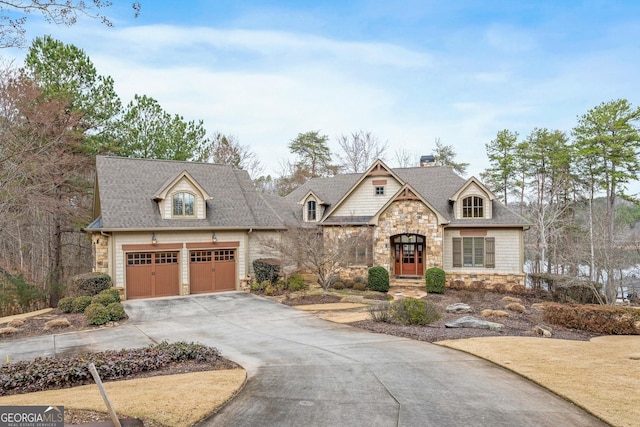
column 154, row 240
column 214, row 238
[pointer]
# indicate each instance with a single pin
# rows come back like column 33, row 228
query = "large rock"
column 544, row 331
column 472, row 322
column 459, row 307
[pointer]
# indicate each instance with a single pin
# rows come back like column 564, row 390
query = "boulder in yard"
column 472, row 322
column 459, row 307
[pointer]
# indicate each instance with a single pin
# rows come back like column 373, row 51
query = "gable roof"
column 435, row 185
column 161, row 194
column 473, row 180
column 126, row 188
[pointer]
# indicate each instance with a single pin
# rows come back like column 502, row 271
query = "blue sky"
column 407, row 71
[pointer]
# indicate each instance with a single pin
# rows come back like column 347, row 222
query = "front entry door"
column 409, row 253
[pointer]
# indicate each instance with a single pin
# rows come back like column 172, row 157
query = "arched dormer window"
column 184, row 205
column 473, row 207
column 311, row 210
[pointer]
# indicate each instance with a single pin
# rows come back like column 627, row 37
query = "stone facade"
column 101, row 253
column 407, row 217
column 485, row 281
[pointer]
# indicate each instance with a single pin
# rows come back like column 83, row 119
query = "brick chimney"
column 427, row 160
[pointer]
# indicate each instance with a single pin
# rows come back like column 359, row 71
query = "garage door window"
column 139, row 259
column 225, row 255
column 200, row 256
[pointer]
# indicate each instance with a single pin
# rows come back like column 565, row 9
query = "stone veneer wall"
column 412, row 217
column 100, row 253
column 486, row 281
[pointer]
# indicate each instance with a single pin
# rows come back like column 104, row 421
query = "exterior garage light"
column 214, row 238
column 154, row 240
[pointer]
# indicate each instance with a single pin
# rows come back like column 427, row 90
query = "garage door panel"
column 225, row 269
column 152, row 274
column 200, row 271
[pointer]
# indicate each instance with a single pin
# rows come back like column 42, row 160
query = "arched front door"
column 408, row 254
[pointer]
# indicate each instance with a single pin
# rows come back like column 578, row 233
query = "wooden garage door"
column 152, row 274
column 212, row 270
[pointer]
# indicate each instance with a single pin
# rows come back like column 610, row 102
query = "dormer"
column 312, row 207
column 182, row 197
column 473, row 201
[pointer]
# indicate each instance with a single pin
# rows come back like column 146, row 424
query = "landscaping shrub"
column 88, row 284
column 97, row 314
column 27, row 295
column 413, row 311
column 296, row 283
column 359, row 287
column 270, row 290
column 116, row 311
column 348, row 284
column 103, row 298
column 259, row 286
column 601, row 319
column 114, row 292
column 380, row 312
column 267, row 269
column 338, row 284
column 66, row 305
column 55, row 373
column 435, row 279
column 378, row 279
column 516, row 306
column 81, row 303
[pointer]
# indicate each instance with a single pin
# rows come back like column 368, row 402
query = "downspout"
column 246, row 255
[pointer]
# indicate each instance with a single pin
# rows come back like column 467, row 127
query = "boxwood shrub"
column 97, row 314
column 116, row 311
column 66, row 304
column 81, row 303
column 266, row 269
column 88, row 284
column 378, row 279
column 435, row 279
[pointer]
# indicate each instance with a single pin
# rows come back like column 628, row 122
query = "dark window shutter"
column 490, row 252
column 457, row 252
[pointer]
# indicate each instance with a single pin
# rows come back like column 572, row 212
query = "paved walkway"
column 306, row 371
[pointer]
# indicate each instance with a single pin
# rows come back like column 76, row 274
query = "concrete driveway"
column 307, row 371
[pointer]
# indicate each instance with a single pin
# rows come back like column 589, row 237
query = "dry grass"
column 330, row 306
column 16, row 323
column 601, row 375
column 487, row 312
column 515, row 306
column 57, row 324
column 171, row 400
column 511, row 299
column 7, row 331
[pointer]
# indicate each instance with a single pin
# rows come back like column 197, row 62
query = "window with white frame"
column 379, row 190
column 473, row 207
column 184, row 205
column 311, row 210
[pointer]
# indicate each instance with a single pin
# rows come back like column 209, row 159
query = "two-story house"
column 177, row 228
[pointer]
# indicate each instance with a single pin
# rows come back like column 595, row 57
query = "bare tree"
column 227, row 150
column 360, row 150
column 13, row 15
column 405, row 158
column 320, row 252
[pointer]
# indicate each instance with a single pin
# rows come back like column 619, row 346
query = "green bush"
column 103, row 298
column 114, row 292
column 435, row 279
column 296, row 283
column 88, row 284
column 81, row 303
column 66, row 305
column 413, row 311
column 27, row 294
column 97, row 314
column 267, row 269
column 259, row 286
column 116, row 311
column 378, row 279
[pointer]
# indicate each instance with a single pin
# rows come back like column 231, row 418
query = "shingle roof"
column 127, row 187
column 435, row 184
